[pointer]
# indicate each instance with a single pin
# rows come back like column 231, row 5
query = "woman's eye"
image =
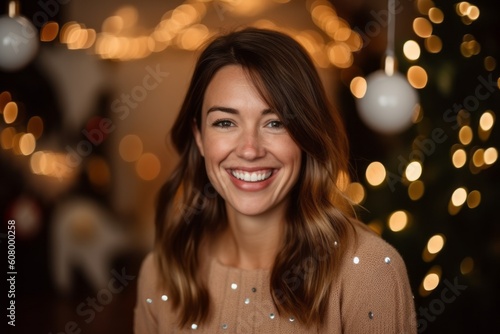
column 222, row 123
column 275, row 124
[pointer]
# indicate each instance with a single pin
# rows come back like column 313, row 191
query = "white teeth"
column 251, row 177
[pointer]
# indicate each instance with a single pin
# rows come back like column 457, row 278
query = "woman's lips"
column 252, row 176
column 252, row 179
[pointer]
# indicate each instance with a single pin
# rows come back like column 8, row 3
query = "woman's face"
column 250, row 158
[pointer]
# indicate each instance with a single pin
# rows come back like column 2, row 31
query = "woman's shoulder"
column 374, row 290
column 372, row 265
column 148, row 273
column 369, row 249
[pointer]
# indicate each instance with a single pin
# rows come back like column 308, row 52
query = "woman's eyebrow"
column 223, row 109
column 235, row 111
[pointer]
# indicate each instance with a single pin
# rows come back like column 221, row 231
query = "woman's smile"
column 252, row 180
column 249, row 176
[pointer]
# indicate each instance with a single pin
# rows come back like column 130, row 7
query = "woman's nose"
column 250, row 145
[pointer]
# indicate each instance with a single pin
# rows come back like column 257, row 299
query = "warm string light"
column 182, row 28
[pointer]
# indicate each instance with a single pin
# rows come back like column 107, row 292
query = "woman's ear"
column 197, row 136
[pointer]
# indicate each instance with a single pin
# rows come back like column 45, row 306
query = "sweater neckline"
column 220, row 267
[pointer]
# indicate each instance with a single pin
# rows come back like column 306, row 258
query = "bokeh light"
column 486, row 121
column 27, row 144
column 490, row 63
column 416, row 190
column 10, row 112
column 417, row 77
column 51, row 164
column 422, row 27
column 375, row 173
column 431, row 281
column 398, row 221
column 148, row 166
column 424, row 6
column 474, row 199
column 459, row 158
column 5, row 98
column 7, row 138
column 465, row 135
column 130, row 148
column 355, row 192
column 478, row 158
column 35, row 126
column 435, row 244
column 411, row 50
column 467, row 265
column 436, row 15
column 469, row 46
column 358, row 87
column 49, row 31
column 433, row 44
column 413, row 171
column 459, row 196
column 490, row 156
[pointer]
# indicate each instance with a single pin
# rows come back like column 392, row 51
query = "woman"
column 253, row 232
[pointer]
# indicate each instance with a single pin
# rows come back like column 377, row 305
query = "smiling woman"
column 252, row 232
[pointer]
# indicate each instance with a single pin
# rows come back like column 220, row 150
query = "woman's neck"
column 250, row 242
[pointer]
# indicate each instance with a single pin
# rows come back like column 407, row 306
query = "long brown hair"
column 318, row 223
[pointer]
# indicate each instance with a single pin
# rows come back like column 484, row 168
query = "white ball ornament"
column 18, row 42
column 388, row 104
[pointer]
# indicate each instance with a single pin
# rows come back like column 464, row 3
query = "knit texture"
column 371, row 294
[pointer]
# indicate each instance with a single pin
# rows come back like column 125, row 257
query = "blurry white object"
column 84, row 236
column 18, row 40
column 78, row 80
column 389, row 103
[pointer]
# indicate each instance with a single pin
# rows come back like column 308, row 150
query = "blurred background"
column 89, row 91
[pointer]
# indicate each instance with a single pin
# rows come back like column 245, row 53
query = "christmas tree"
column 431, row 189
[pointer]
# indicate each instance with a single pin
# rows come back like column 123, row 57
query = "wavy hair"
column 318, row 219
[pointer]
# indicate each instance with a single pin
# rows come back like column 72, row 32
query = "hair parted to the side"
column 318, row 224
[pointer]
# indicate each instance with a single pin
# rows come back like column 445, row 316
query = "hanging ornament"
column 18, row 40
column 389, row 103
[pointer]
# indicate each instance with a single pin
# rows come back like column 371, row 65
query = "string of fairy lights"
column 183, row 28
column 121, row 39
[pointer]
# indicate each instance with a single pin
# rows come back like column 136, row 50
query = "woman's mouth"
column 255, row 176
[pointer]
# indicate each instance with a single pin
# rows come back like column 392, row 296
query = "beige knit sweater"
column 370, row 295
